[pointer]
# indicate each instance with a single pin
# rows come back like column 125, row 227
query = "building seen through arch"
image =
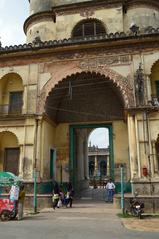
column 85, row 65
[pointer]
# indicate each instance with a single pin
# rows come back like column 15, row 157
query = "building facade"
column 98, row 161
column 85, row 65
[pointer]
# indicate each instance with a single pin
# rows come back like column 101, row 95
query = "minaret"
column 41, row 22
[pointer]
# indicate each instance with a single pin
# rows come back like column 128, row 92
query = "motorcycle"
column 136, row 208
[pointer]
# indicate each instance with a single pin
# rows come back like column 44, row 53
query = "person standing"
column 13, row 196
column 110, row 189
column 70, row 194
column 21, row 202
column 56, row 194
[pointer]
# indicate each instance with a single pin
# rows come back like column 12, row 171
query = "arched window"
column 88, row 27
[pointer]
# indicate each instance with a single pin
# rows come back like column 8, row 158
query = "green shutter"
column 157, row 88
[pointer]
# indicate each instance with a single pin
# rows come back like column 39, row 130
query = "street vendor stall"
column 8, row 205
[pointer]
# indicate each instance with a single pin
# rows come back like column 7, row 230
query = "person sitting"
column 56, row 193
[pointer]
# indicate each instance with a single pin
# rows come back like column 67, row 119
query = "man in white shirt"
column 110, row 189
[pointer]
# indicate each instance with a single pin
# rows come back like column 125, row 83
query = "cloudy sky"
column 12, row 16
column 99, row 137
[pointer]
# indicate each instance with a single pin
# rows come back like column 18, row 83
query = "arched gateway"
column 78, row 103
column 72, row 70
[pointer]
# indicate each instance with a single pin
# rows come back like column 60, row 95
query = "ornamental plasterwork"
column 85, row 10
column 87, row 13
column 100, row 61
column 120, row 81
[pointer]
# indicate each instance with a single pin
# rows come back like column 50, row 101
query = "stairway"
column 97, row 194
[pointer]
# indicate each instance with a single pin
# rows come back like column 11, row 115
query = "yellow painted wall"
column 62, row 146
column 48, row 30
column 142, row 16
column 7, row 140
column 9, row 83
column 47, row 143
column 56, row 138
column 120, row 143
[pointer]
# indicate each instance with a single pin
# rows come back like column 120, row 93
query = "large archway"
column 85, row 97
column 81, row 102
column 59, row 75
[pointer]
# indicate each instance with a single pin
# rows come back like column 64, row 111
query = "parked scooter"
column 136, row 207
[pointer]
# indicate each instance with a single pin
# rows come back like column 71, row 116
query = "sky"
column 13, row 13
column 12, row 16
column 99, row 137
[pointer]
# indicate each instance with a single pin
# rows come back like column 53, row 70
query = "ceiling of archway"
column 85, row 97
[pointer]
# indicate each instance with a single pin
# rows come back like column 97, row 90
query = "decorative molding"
column 101, row 61
column 122, row 83
column 105, row 38
column 87, row 13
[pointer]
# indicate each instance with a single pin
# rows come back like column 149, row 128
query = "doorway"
column 52, row 164
column 78, row 167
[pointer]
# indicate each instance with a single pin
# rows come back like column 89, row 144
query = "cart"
column 8, row 208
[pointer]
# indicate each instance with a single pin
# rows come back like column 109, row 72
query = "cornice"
column 107, row 40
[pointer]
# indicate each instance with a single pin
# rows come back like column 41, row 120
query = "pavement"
column 86, row 220
column 147, row 224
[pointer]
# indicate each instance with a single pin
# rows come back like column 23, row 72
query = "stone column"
column 80, row 162
column 86, row 171
column 24, row 109
column 38, row 148
column 148, row 88
column 21, row 161
column 156, row 163
column 95, row 166
column 135, row 172
column 108, row 167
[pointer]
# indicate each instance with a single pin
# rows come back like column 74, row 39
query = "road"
column 83, row 221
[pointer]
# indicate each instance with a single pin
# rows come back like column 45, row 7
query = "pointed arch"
column 154, row 77
column 121, row 83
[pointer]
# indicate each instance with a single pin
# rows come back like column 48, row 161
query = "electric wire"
column 84, row 113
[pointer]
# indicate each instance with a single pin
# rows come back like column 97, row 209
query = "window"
column 88, row 28
column 12, row 160
column 15, row 102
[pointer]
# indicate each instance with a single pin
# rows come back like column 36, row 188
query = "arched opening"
column 11, row 97
column 155, row 82
column 89, row 27
column 77, row 105
column 9, row 152
column 85, row 97
column 98, row 154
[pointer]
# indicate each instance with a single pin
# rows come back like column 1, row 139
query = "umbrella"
column 7, row 178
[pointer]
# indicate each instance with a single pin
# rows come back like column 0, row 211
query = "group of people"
column 61, row 198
